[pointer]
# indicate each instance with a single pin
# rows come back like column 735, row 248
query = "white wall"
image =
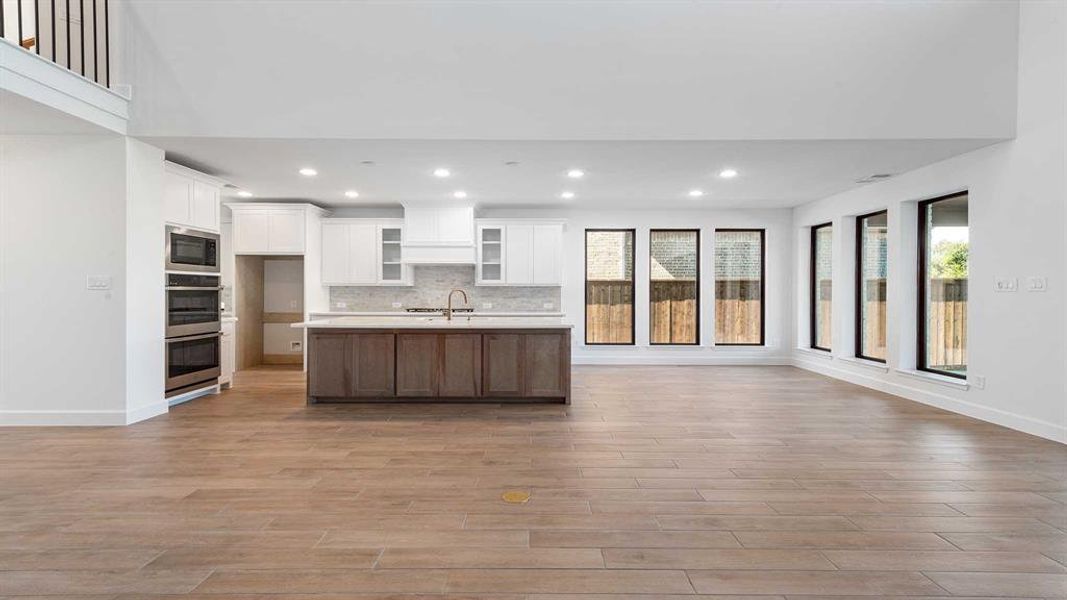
column 1017, row 191
column 62, row 217
column 71, row 207
column 778, row 224
column 145, row 302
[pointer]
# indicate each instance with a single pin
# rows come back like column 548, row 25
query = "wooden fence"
column 737, row 311
column 946, row 325
column 673, row 312
column 609, row 312
column 874, row 325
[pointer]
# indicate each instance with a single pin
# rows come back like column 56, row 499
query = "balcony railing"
column 71, row 33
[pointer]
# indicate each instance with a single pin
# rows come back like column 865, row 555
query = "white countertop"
column 476, row 314
column 434, row 322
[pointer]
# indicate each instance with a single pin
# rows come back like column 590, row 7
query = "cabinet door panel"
column 363, row 254
column 416, row 364
column 177, row 199
column 502, row 369
column 287, row 231
column 372, row 364
column 545, row 371
column 335, row 256
column 547, row 254
column 205, row 206
column 519, row 255
column 461, row 365
column 421, row 225
column 327, row 365
column 251, row 232
column 456, row 225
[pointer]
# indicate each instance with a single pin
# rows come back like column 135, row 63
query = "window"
column 609, row 286
column 872, row 263
column 674, row 286
column 822, row 279
column 943, row 253
column 739, row 287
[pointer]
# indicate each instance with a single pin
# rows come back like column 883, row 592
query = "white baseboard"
column 676, row 359
column 1043, row 429
column 57, row 418
column 147, row 411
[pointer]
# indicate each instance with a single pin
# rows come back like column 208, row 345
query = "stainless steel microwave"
column 191, row 250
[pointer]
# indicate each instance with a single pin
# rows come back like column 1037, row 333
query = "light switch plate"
column 1037, row 284
column 97, row 282
column 978, row 381
column 296, row 346
column 1005, row 284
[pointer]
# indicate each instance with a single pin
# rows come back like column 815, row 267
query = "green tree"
column 950, row 260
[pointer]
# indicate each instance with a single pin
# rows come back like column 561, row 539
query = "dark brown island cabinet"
column 374, row 365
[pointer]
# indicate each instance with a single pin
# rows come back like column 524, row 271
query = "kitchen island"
column 466, row 359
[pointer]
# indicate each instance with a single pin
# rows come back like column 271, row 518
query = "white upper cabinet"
column 262, row 228
column 520, row 252
column 190, row 198
column 447, row 225
column 548, row 254
column 361, row 252
column 519, row 255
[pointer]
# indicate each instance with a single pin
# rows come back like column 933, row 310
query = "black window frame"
column 920, row 288
column 762, row 286
column 633, row 288
column 859, row 284
column 695, row 342
column 813, row 294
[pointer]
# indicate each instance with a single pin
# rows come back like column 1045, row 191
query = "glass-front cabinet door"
column 391, row 268
column 490, row 255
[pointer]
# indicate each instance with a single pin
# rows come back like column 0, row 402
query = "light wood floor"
column 657, row 481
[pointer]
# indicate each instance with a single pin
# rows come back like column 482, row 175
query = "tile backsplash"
column 432, row 284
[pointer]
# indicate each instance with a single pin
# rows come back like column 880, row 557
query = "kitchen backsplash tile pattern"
column 432, row 284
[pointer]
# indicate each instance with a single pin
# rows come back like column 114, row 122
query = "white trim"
column 816, row 353
column 580, row 357
column 39, row 79
column 1044, row 429
column 193, row 395
column 863, row 362
column 952, row 382
column 145, row 412
column 52, row 418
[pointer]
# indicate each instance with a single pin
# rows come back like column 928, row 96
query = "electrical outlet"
column 341, row 304
column 398, row 304
column 97, row 283
column 978, row 381
column 294, row 304
column 296, row 346
column 1005, row 284
column 1037, row 284
column 548, row 306
column 487, row 305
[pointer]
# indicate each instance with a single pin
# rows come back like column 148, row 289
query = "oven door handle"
column 193, row 338
column 193, row 288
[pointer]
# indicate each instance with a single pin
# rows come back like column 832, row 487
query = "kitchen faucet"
column 448, row 311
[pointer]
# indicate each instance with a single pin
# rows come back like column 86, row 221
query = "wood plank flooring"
column 658, row 482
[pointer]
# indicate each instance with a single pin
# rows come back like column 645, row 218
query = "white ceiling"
column 570, row 70
column 618, row 174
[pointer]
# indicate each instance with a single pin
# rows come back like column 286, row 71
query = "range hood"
column 439, row 235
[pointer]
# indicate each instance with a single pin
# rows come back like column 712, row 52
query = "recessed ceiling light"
column 696, row 193
column 351, row 194
column 566, row 195
column 728, row 173
column 244, row 194
column 459, row 194
column 441, row 173
column 367, row 163
column 308, row 172
column 511, row 163
column 576, row 173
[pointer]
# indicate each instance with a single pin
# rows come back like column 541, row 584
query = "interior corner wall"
column 1016, row 189
column 62, row 219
